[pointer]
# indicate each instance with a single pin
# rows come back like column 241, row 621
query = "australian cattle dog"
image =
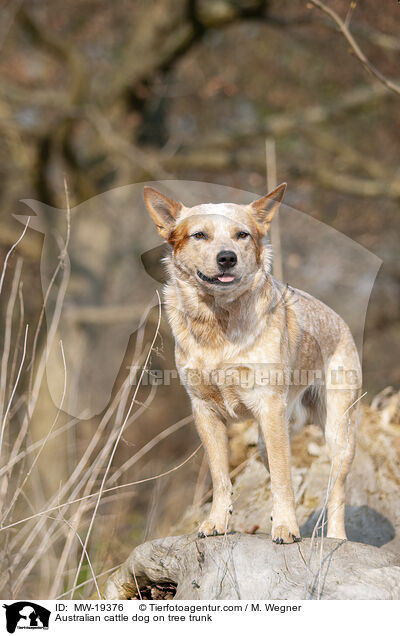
column 242, row 338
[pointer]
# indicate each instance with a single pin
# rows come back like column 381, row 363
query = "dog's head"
column 218, row 246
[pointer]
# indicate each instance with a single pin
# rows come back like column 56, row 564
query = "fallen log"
column 242, row 566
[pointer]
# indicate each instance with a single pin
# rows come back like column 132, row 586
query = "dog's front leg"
column 271, row 416
column 213, row 434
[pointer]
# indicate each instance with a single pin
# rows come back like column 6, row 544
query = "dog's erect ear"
column 162, row 209
column 265, row 208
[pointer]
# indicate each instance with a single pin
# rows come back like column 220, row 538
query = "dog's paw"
column 282, row 534
column 211, row 527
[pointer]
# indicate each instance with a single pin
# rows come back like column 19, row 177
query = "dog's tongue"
column 226, row 278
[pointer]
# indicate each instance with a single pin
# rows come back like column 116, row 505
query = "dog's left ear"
column 265, row 208
column 162, row 209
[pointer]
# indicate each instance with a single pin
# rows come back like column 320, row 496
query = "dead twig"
column 343, row 28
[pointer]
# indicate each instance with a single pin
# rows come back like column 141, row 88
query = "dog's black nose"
column 226, row 259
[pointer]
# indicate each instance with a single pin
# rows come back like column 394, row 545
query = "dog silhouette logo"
column 113, row 266
column 26, row 615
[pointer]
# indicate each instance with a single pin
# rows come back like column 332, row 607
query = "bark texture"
column 240, row 566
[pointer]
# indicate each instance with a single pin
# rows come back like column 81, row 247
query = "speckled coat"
column 249, row 346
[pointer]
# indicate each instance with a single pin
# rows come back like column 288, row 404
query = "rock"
column 240, row 566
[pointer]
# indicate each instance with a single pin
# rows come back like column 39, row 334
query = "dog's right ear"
column 162, row 209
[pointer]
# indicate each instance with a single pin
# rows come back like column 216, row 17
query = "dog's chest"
column 216, row 354
column 224, row 376
column 221, row 388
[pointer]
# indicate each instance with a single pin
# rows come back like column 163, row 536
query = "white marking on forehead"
column 230, row 211
column 226, row 209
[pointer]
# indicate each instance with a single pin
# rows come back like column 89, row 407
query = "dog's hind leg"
column 340, row 434
column 213, row 434
column 262, row 449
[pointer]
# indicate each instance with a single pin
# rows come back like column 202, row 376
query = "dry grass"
column 61, row 543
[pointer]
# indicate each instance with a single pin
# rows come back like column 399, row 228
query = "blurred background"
column 105, row 95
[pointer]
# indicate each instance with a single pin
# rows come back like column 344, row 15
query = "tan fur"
column 227, row 333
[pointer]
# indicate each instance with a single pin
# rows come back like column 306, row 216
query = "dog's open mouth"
column 221, row 279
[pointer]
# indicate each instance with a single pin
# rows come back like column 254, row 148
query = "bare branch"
column 343, row 28
column 116, row 143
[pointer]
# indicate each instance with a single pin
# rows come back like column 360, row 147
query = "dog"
column 231, row 319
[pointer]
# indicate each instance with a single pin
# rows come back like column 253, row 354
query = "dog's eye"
column 199, row 235
column 242, row 235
